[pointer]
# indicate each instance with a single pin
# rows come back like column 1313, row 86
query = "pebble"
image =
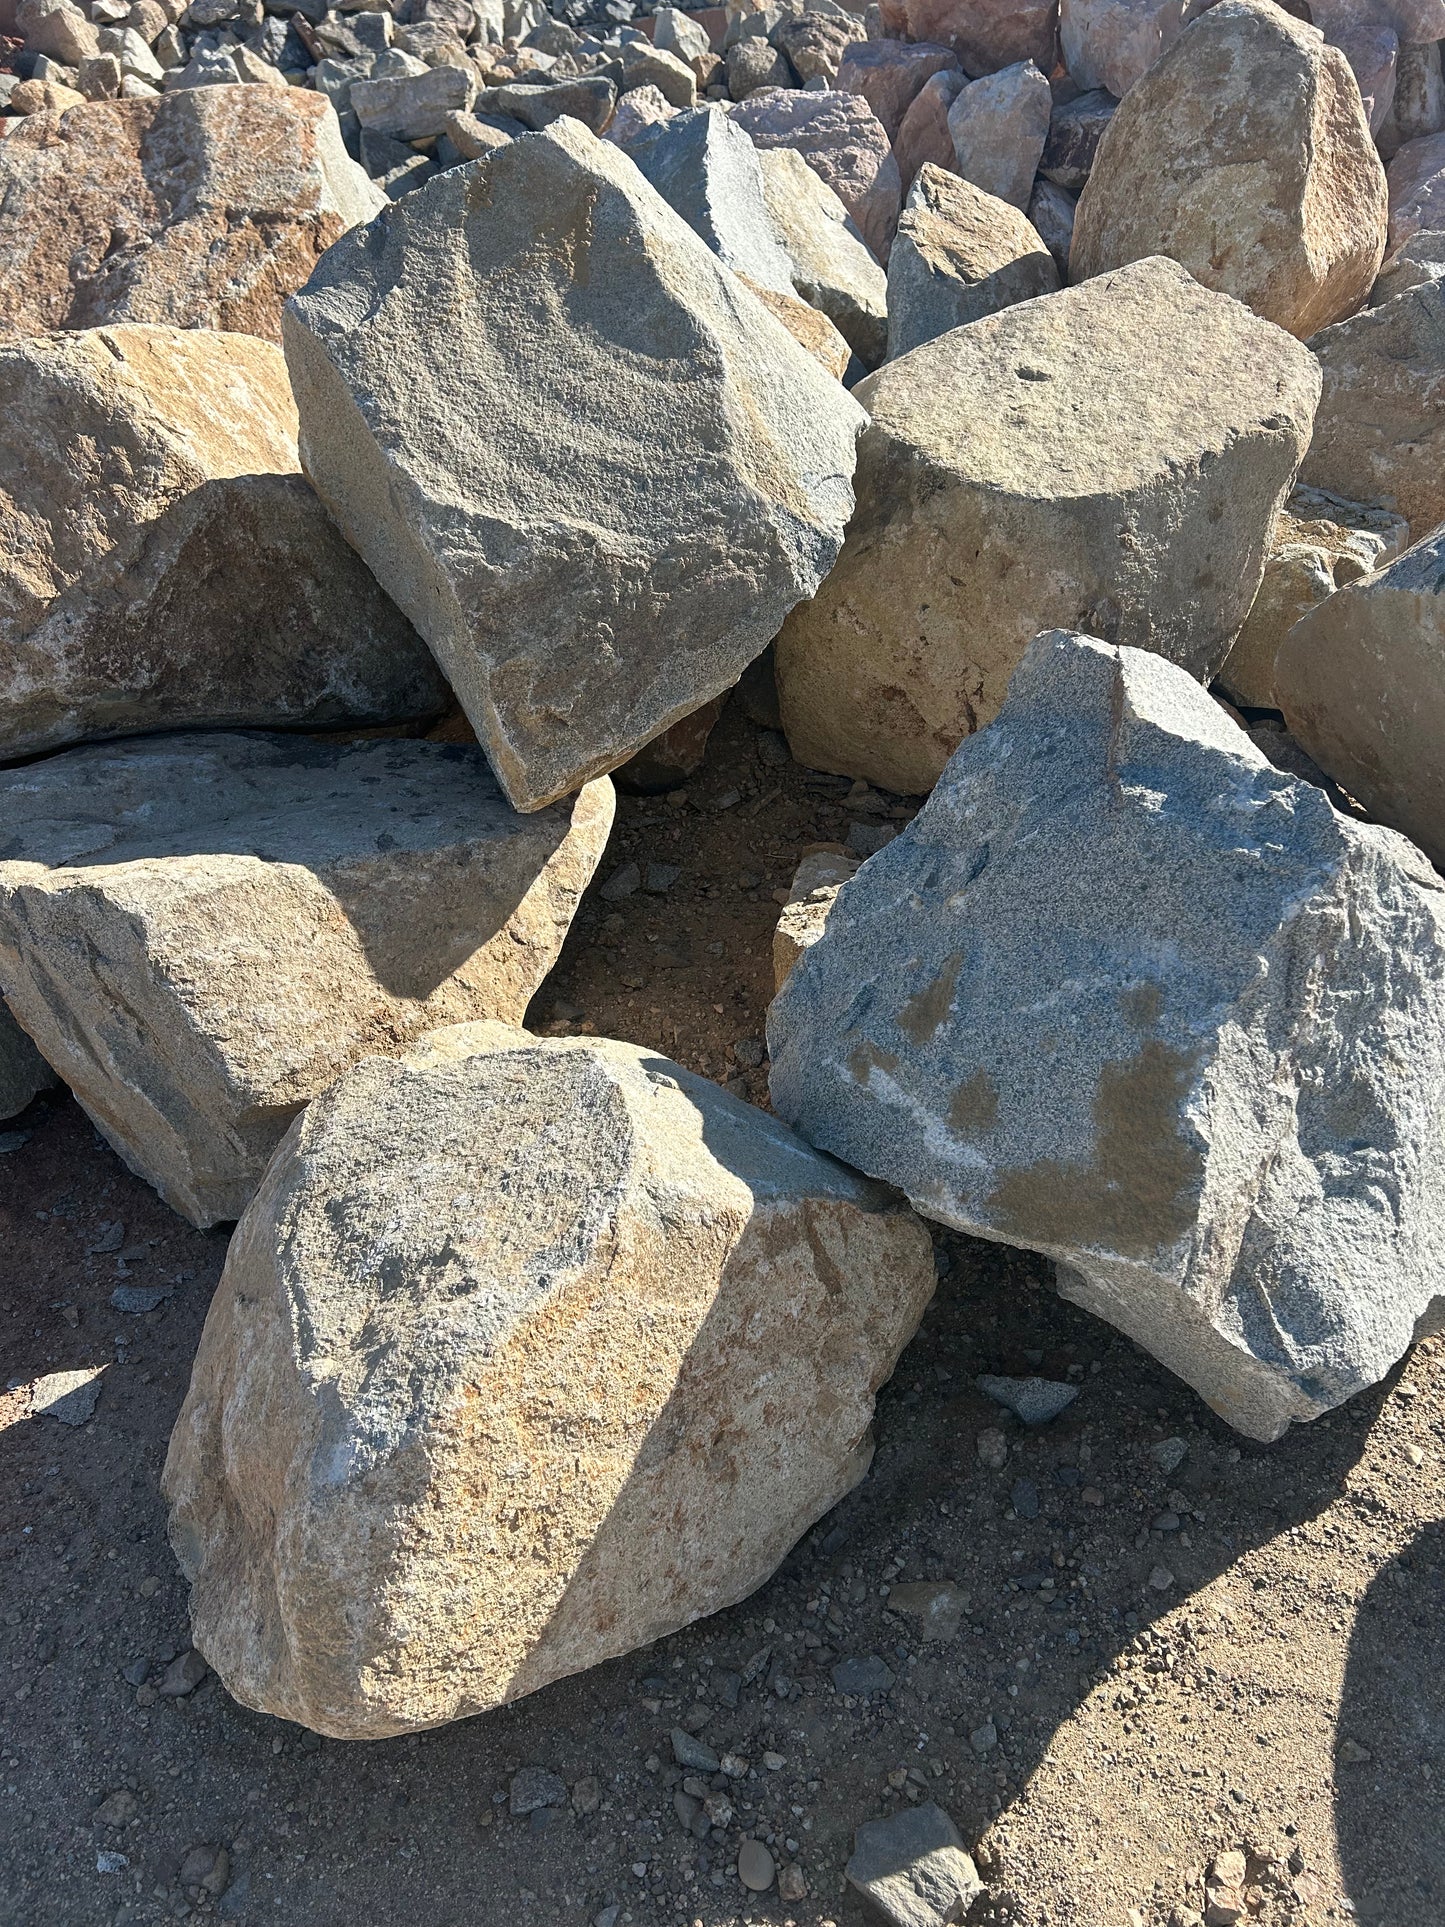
column 792, row 1883
column 137, row 1299
column 689, row 1751
column 1169, row 1455
column 983, row 1739
column 183, row 1675
column 1161, row 1579
column 206, row 1867
column 937, row 1602
column 1034, row 1400
column 533, row 1787
column 861, row 1677
column 992, row 1449
column 67, row 1396
column 587, row 1794
column 1025, row 1498
column 623, row 882
column 115, row 1809
column 111, row 1862
column 755, row 1866
column 1353, row 1754
column 750, row 1052
column 658, row 878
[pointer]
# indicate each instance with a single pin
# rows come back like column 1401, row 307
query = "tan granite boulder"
column 959, row 254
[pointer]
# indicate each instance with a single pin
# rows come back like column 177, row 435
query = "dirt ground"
column 1245, row 1651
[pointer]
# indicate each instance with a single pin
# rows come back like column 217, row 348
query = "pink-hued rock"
column 1362, row 31
column 889, row 74
column 999, row 126
column 1113, row 43
column 985, row 34
column 843, row 141
column 1417, row 22
column 924, row 135
column 1416, row 178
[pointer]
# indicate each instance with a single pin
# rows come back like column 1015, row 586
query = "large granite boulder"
column 1109, row 457
column 890, row 75
column 843, row 141
column 959, row 254
column 832, row 267
column 201, row 932
column 1245, row 154
column 1361, row 681
column 176, row 569
column 202, row 208
column 1380, row 430
column 675, row 475
column 924, row 134
column 1125, row 994
column 528, row 1352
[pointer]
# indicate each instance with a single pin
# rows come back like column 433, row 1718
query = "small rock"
column 860, row 1678
column 67, row 1396
column 535, row 1787
column 138, row 1299
column 625, row 881
column 1224, row 1889
column 658, row 878
column 867, row 839
column 792, row 1883
column 755, row 1866
column 937, row 1602
column 689, row 1751
column 750, row 1052
column 183, row 1675
column 587, row 1794
column 913, row 1868
column 116, row 1808
column 1034, row 1400
column 1025, row 1498
column 1169, row 1455
column 111, row 1862
column 983, row 1739
column 992, row 1448
column 1353, row 1754
column 206, row 1867
column 1161, row 1579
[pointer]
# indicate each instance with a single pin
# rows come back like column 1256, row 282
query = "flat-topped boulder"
column 201, row 208
column 1127, row 995
column 676, row 473
column 528, row 1352
column 201, row 932
column 1111, row 455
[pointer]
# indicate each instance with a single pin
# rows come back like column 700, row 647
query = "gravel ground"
column 1160, row 1641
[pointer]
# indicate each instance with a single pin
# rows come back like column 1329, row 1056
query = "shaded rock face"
column 1320, row 543
column 708, row 171
column 528, row 1352
column 1361, row 681
column 832, row 267
column 174, row 567
column 924, row 134
column 677, row 474
column 1001, row 464
column 845, row 144
column 959, row 254
column 999, row 126
column 24, row 1073
column 1380, row 430
column 1195, row 1108
column 201, row 208
column 1246, row 156
column 200, row 932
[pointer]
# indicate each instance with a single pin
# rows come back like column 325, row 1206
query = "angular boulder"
column 1415, row 182
column 924, row 134
column 1320, row 543
column 528, row 1352
column 24, row 1073
column 1361, row 681
column 842, row 140
column 1125, row 994
column 155, row 474
column 999, row 126
column 1075, row 129
column 832, row 267
column 987, row 35
column 708, row 171
column 1113, row 43
column 201, row 932
column 1111, row 456
column 959, row 254
column 1380, row 429
column 675, row 476
column 890, row 74
column 1245, row 155
column 201, row 208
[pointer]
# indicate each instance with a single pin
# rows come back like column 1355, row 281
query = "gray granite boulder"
column 959, row 254
column 201, row 932
column 708, row 171
column 1125, row 994
column 675, row 475
column 845, row 144
column 999, row 125
column 833, row 268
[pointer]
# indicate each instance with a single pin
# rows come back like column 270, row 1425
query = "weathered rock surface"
column 1363, row 33
column 924, row 134
column 959, row 254
column 913, row 1867
column 1320, row 543
column 811, row 330
column 676, row 477
column 1416, row 186
column 1075, row 129
column 1050, row 212
column 493, row 1310
column 1113, row 43
column 1361, row 680
column 201, row 932
column 999, row 126
column 832, row 267
column 174, row 569
column 1418, row 108
column 890, row 74
column 1380, row 430
column 24, row 1073
column 811, row 897
column 202, row 208
column 841, row 139
column 1111, row 456
column 414, row 106
column 708, row 171
column 1221, row 1113
column 1244, row 154
column 987, row 35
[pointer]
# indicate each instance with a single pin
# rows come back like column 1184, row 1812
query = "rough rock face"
column 24, row 1073
column 987, row 35
column 1418, row 108
column 676, row 475
column 708, row 171
column 1113, row 43
column 1320, row 543
column 924, row 135
column 832, row 267
column 1221, row 1114
column 1416, row 186
column 528, row 1352
column 154, row 475
column 1110, row 456
column 959, row 254
column 1361, row 680
column 890, row 74
column 1380, row 431
column 1075, row 130
column 999, row 126
column 1369, row 43
column 202, row 931
column 203, row 208
column 811, row 897
column 1245, row 155
column 841, row 139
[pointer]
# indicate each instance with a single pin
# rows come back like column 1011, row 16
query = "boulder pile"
column 418, row 413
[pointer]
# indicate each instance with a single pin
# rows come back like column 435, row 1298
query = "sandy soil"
column 1244, row 1652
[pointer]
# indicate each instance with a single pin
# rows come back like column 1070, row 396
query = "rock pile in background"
column 619, row 346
